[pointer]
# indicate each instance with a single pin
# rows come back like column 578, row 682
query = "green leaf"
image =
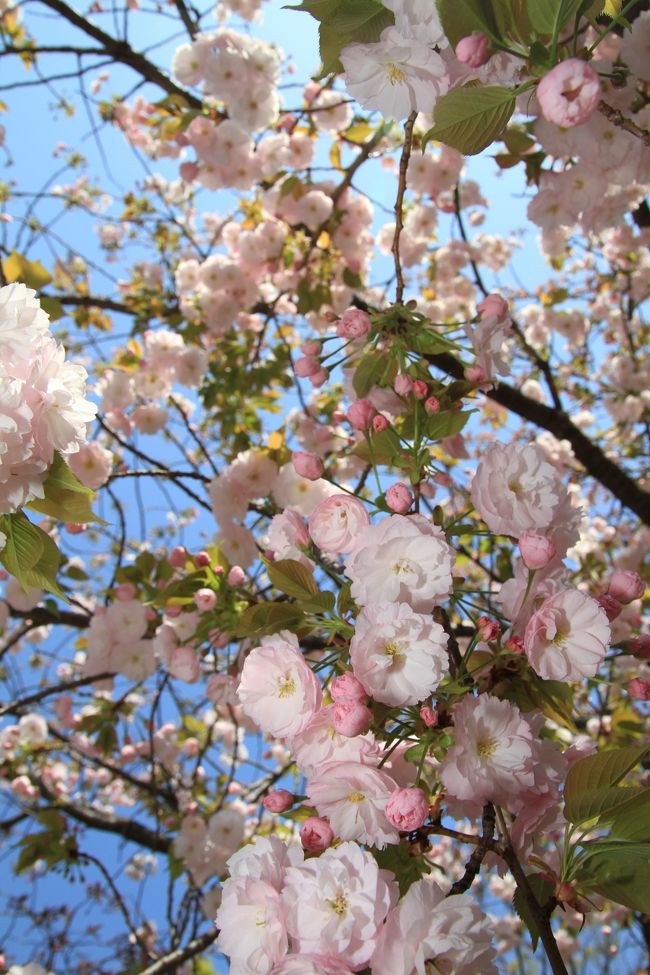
column 441, row 425
column 30, row 555
column 529, row 692
column 598, row 772
column 263, row 618
column 543, row 891
column 459, row 18
column 292, row 578
column 321, row 602
column 363, row 20
column 66, row 498
column 631, row 821
column 32, row 273
column 320, row 9
column 330, row 42
column 550, row 16
column 181, row 590
column 619, row 871
column 385, row 445
column 53, row 307
column 369, row 371
column 602, row 804
column 469, row 119
column 408, row 869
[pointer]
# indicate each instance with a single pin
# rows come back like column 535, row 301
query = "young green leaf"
column 66, row 498
column 601, row 771
column 550, row 16
column 459, row 18
column 470, row 118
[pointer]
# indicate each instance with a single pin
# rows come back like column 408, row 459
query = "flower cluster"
column 42, row 398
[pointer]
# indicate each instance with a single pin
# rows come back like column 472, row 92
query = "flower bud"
column 380, row 423
column 473, row 50
column 407, row 809
column 352, row 719
column 476, row 374
column 536, row 550
column 278, row 801
column 311, row 347
column 360, row 414
column 177, row 557
column 420, row 389
column 429, row 716
column 626, row 586
column 432, row 404
column 611, row 605
column 317, row 379
column 306, row 464
column 307, row 365
column 398, row 498
column 403, row 384
column 355, row 324
column 347, row 689
column 639, row 646
column 493, row 306
column 202, row 559
column 639, row 689
column 236, row 576
column 205, row 600
column 316, row 834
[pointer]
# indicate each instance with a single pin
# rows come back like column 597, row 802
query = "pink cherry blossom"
column 492, row 758
column 277, row 689
column 569, row 93
column 336, row 523
column 353, row 798
column 278, row 801
column 398, row 656
column 337, row 903
column 449, row 932
column 251, row 919
column 626, row 586
column 401, row 559
column 361, row 413
column 316, row 834
column 568, row 636
column 407, row 809
column 346, row 689
column 536, row 550
column 398, row 498
column 473, row 50
column 354, row 324
column 320, row 743
column 351, row 719
column 307, row 464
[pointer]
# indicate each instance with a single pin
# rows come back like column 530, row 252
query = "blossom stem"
column 399, row 203
column 540, row 917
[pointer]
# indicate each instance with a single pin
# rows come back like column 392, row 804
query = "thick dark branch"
column 124, row 53
column 40, row 616
column 170, row 963
column 128, row 829
column 474, row 863
column 16, row 707
column 590, row 455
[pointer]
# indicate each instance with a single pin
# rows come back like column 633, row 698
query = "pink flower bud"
column 352, row 719
column 639, row 689
column 347, row 689
column 493, row 306
column 611, row 605
column 488, row 628
column 202, row 559
column 306, row 366
column 380, row 423
column 515, row 644
column 473, row 50
column 361, row 413
column 188, row 171
column 177, row 557
column 355, row 324
column 306, row 464
column 420, row 389
column 407, row 809
column 310, row 347
column 399, row 499
column 569, row 93
column 429, row 716
column 626, row 586
column 318, row 378
column 639, row 646
column 316, row 834
column 125, row 591
column 432, row 404
column 278, row 801
column 536, row 550
column 403, row 384
column 236, row 576
column 205, row 600
column 476, row 374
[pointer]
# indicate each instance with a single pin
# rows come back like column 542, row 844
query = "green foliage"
column 292, row 578
column 374, row 369
column 470, row 118
column 66, row 498
column 341, row 23
column 589, row 789
column 459, row 18
column 30, row 555
column 550, row 16
column 618, row 870
column 407, row 865
column 265, row 618
column 32, row 273
column 542, row 890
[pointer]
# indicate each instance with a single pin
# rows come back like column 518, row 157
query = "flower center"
column 340, row 904
column 356, row 797
column 394, row 650
column 286, row 686
column 514, row 485
column 402, row 567
column 485, row 747
column 395, row 75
